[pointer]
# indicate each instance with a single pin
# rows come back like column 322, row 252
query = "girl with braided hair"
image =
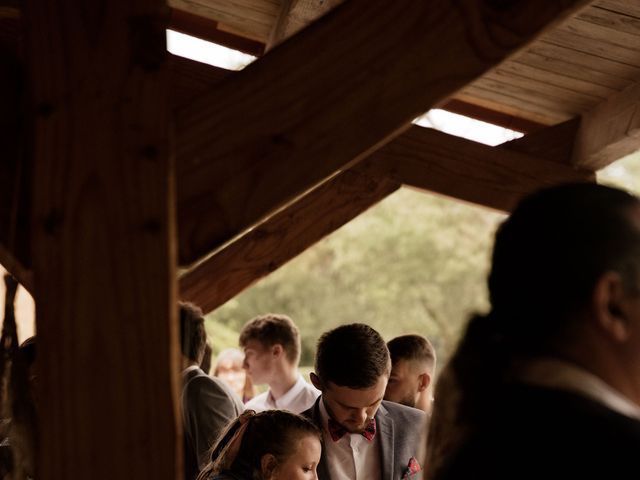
column 270, row 445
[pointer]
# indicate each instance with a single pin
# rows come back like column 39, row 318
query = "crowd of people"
column 546, row 384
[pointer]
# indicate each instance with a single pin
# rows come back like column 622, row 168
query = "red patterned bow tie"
column 337, row 431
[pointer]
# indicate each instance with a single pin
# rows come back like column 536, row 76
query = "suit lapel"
column 384, row 423
column 323, row 469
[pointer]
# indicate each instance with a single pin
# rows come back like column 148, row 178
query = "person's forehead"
column 357, row 397
column 254, row 345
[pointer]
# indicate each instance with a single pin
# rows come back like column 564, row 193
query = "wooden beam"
column 207, row 29
column 283, row 236
column 552, row 143
column 610, row 131
column 104, row 241
column 188, row 79
column 490, row 176
column 291, row 119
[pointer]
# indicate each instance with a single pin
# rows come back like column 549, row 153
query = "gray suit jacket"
column 400, row 429
column 208, row 405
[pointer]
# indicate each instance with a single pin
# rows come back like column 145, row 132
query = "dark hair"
column 413, row 348
column 192, row 333
column 273, row 329
column 353, row 356
column 547, row 258
column 251, row 436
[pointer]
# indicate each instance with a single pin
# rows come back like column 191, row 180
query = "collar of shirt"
column 289, row 396
column 562, row 375
column 190, row 368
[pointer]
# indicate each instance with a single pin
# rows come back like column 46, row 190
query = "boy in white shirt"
column 271, row 344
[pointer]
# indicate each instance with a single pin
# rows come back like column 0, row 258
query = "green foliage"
column 415, row 263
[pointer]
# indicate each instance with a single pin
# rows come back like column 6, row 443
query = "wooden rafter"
column 264, row 136
column 491, row 176
column 283, row 236
column 610, row 131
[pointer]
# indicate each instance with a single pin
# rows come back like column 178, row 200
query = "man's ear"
column 316, row 381
column 424, row 380
column 277, row 350
column 268, row 464
column 609, row 303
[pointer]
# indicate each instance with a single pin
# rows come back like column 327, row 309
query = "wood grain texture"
column 254, row 19
column 357, row 89
column 491, row 176
column 610, row 131
column 283, row 236
column 103, row 236
column 553, row 143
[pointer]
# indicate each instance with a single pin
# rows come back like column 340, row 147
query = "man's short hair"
column 273, row 329
column 412, row 348
column 193, row 336
column 353, row 356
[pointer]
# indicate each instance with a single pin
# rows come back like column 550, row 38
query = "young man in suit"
column 207, row 403
column 365, row 438
column 413, row 364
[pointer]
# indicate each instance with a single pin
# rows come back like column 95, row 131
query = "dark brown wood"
column 491, row 116
column 103, row 237
column 206, row 29
column 610, row 131
column 291, row 119
column 491, row 176
column 552, row 143
column 189, row 78
column 283, row 236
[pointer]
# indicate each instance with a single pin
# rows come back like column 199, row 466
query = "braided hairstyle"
column 253, row 435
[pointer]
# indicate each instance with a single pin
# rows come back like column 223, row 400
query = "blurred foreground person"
column 271, row 445
column 547, row 384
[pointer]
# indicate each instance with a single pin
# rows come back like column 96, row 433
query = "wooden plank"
column 207, row 29
column 491, row 176
column 613, row 38
column 563, row 82
column 252, row 18
column 492, row 116
column 512, row 105
column 587, row 44
column 564, row 62
column 251, row 145
column 553, row 98
column 613, row 20
column 283, row 236
column 554, row 143
column 610, row 131
column 103, row 236
column 621, row 6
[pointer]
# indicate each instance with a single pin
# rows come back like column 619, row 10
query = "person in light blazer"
column 365, row 437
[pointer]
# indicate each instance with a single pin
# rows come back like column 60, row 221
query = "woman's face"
column 232, row 374
column 302, row 464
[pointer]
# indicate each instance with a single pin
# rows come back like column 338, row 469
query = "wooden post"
column 103, row 241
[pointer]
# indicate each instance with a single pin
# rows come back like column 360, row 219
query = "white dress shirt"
column 298, row 398
column 352, row 457
column 555, row 373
